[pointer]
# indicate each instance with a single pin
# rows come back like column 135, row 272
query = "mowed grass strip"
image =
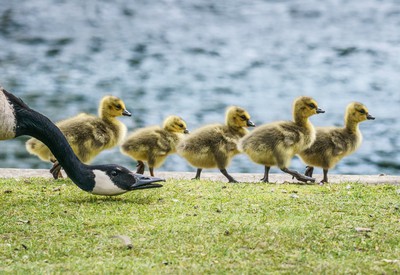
column 193, row 227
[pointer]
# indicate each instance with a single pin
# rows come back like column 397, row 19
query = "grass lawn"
column 197, row 227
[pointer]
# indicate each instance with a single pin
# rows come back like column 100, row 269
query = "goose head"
column 357, row 112
column 175, row 124
column 238, row 117
column 304, row 107
column 112, row 106
column 111, row 180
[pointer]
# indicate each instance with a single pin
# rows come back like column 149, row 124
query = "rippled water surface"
column 194, row 58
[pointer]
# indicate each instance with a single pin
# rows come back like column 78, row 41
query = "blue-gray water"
column 195, row 57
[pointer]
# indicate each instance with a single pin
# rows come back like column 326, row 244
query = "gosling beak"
column 320, row 111
column 143, row 182
column 250, row 123
column 369, row 117
column 126, row 113
column 186, row 131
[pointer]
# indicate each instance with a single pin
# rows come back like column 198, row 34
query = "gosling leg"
column 325, row 179
column 140, row 167
column 309, row 171
column 229, row 177
column 56, row 170
column 197, row 177
column 297, row 175
column 151, row 169
column 266, row 173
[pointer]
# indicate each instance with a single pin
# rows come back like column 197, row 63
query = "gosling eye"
column 362, row 111
column 118, row 107
column 243, row 117
column 181, row 125
column 312, row 106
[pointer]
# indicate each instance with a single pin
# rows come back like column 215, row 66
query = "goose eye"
column 181, row 125
column 118, row 107
column 312, row 105
column 114, row 173
column 243, row 117
column 362, row 111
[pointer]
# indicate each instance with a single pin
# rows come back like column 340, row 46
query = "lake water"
column 194, row 58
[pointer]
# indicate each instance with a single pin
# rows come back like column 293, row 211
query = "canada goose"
column 334, row 143
column 17, row 119
column 153, row 144
column 214, row 145
column 88, row 135
column 275, row 144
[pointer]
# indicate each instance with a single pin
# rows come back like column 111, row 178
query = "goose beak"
column 320, row 111
column 369, row 117
column 186, row 131
column 143, row 182
column 126, row 113
column 250, row 123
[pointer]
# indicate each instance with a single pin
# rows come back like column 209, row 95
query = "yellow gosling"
column 152, row 145
column 334, row 143
column 87, row 134
column 213, row 146
column 275, row 144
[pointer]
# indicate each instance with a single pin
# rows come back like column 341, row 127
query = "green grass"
column 200, row 227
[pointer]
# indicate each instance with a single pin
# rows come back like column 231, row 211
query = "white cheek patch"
column 7, row 118
column 104, row 185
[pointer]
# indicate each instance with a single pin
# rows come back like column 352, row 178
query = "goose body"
column 213, row 146
column 153, row 144
column 17, row 119
column 275, row 144
column 8, row 121
column 87, row 134
column 334, row 143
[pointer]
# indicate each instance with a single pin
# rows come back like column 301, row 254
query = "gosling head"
column 305, row 107
column 357, row 112
column 112, row 106
column 175, row 124
column 238, row 117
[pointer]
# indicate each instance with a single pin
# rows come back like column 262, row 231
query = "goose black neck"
column 32, row 123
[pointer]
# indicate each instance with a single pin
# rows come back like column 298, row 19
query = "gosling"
column 214, row 146
column 334, row 143
column 276, row 144
column 152, row 145
column 87, row 134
